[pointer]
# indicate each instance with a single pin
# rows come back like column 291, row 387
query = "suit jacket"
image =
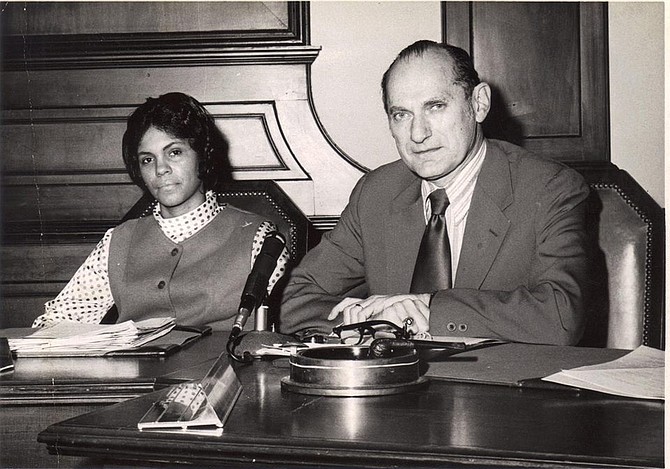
column 522, row 266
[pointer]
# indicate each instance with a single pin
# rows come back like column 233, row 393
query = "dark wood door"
column 547, row 67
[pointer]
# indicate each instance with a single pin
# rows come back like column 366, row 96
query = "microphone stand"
column 230, row 348
column 234, row 340
column 254, row 339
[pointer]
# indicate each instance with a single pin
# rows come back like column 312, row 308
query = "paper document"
column 71, row 338
column 638, row 374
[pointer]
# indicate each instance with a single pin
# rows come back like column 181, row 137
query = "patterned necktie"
column 432, row 271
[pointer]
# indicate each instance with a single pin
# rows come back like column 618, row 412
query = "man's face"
column 433, row 123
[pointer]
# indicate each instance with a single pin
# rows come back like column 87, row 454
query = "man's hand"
column 393, row 308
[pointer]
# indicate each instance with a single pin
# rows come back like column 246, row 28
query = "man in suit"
column 515, row 236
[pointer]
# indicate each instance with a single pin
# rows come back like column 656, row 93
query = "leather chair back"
column 626, row 291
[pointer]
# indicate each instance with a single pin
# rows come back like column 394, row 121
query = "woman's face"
column 169, row 168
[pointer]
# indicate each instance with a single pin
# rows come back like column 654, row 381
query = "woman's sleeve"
column 263, row 230
column 87, row 297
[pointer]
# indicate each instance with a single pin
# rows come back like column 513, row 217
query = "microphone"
column 260, row 280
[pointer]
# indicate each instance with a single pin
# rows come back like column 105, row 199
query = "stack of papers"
column 74, row 339
column 638, row 374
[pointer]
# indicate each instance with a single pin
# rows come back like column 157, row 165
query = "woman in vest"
column 190, row 258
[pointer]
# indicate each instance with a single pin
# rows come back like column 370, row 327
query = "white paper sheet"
column 71, row 338
column 639, row 374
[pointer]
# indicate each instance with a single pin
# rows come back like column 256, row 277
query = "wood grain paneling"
column 25, row 450
column 43, row 262
column 21, row 310
column 70, row 202
column 81, row 35
column 48, row 142
column 537, row 86
column 83, row 141
column 142, row 17
column 546, row 63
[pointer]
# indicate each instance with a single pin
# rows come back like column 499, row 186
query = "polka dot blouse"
column 87, row 297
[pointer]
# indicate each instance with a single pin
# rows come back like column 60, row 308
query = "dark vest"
column 198, row 281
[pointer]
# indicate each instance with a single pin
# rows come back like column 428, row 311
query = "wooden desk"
column 40, row 392
column 99, row 379
column 445, row 424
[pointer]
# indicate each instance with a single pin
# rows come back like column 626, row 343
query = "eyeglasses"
column 361, row 332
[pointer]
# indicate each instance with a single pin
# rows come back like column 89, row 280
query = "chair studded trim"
column 230, row 196
column 650, row 318
column 626, row 291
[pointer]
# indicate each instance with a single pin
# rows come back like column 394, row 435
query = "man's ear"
column 481, row 101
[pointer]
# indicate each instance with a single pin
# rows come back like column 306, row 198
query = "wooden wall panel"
column 35, row 144
column 546, row 63
column 61, row 35
column 49, row 263
column 130, row 86
column 87, row 140
column 67, row 203
column 142, row 17
column 21, row 310
column 539, row 84
column 32, row 274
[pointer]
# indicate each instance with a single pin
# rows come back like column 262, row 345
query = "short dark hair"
column 181, row 116
column 464, row 70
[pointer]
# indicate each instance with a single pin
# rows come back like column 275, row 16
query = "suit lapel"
column 404, row 228
column 487, row 224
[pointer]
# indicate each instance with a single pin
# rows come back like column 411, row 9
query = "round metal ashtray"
column 349, row 371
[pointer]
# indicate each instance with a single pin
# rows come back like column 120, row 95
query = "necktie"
column 432, row 270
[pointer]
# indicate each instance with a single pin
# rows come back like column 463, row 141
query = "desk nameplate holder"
column 200, row 407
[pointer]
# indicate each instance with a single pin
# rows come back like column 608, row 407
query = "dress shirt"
column 87, row 297
column 460, row 186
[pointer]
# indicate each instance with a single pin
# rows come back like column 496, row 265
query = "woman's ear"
column 481, row 101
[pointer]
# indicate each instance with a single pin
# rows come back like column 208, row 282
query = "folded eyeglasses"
column 374, row 329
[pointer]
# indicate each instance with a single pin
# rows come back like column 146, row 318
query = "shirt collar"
column 460, row 177
column 184, row 226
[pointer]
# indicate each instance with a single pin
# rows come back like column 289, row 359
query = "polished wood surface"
column 103, row 380
column 446, row 423
column 41, row 392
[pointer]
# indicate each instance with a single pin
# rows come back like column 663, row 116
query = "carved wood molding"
column 258, row 149
column 258, row 55
column 286, row 41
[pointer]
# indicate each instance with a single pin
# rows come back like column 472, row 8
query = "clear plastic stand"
column 197, row 407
